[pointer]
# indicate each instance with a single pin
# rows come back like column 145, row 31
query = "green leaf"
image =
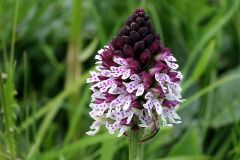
column 161, row 139
column 49, row 53
column 50, row 105
column 187, row 158
column 222, row 81
column 201, row 65
column 99, row 24
column 226, row 103
column 108, row 148
column 189, row 144
column 211, row 31
column 74, row 123
column 76, row 146
column 8, row 103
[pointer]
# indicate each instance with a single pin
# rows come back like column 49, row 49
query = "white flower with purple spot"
column 152, row 102
column 136, row 85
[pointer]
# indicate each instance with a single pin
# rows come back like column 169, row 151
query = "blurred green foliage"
column 44, row 99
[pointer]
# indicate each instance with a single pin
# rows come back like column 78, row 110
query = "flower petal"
column 120, row 115
column 96, row 95
column 119, row 61
column 106, row 73
column 170, row 58
column 145, row 119
column 104, row 85
column 170, row 114
column 130, row 117
column 157, row 106
column 131, row 86
column 135, row 77
column 118, row 71
column 172, row 65
column 162, row 77
column 117, row 102
column 140, row 90
column 100, row 51
column 179, row 75
column 116, row 91
column 98, row 57
column 112, row 127
column 126, row 74
column 99, row 68
column 122, row 130
column 95, row 127
column 148, row 105
column 113, row 87
column 94, row 77
column 127, row 102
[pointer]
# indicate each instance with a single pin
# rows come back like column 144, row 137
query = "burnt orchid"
column 136, row 85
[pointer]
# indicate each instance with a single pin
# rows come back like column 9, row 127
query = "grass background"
column 47, row 48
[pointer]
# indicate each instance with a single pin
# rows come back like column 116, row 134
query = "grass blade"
column 51, row 107
column 7, row 101
column 107, row 149
column 65, row 93
column 89, row 50
column 100, row 28
column 201, row 65
column 14, row 30
column 212, row 31
column 74, row 44
column 77, row 115
column 205, row 90
column 76, row 146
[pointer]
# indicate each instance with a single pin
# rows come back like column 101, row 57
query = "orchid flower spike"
column 136, row 84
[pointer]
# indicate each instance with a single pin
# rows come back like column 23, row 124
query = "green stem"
column 73, row 66
column 6, row 102
column 135, row 147
column 14, row 32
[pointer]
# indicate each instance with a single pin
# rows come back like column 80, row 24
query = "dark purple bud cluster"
column 137, row 38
